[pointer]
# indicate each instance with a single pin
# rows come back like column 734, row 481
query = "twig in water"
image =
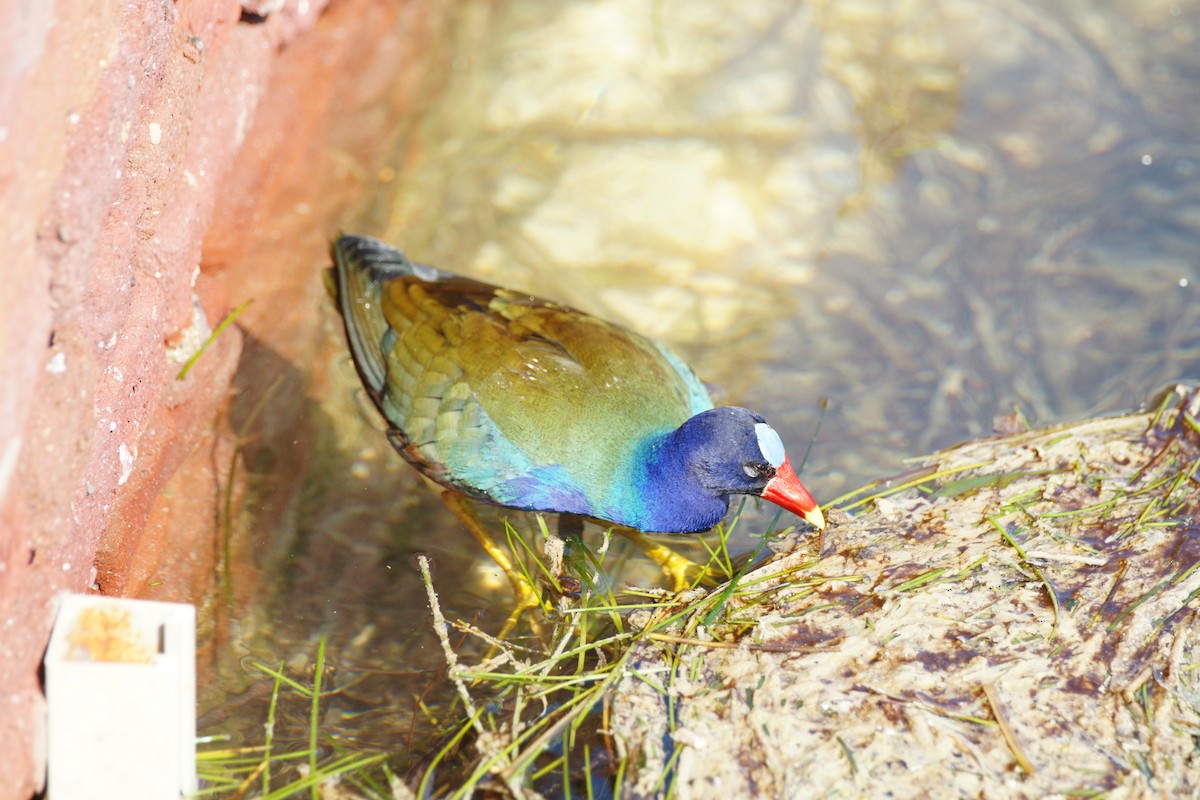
column 439, row 627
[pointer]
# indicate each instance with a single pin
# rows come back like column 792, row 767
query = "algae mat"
column 1014, row 618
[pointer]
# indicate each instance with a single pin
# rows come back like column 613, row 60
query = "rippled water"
column 927, row 213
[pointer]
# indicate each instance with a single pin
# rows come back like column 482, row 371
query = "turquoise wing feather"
column 506, row 397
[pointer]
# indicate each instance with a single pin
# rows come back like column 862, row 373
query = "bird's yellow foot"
column 681, row 570
column 527, row 597
column 527, row 600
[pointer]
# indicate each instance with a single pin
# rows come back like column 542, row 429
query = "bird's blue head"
column 731, row 450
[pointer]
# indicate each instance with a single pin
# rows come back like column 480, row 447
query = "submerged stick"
column 439, row 627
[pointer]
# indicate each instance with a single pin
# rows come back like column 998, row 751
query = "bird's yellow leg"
column 682, row 571
column 527, row 597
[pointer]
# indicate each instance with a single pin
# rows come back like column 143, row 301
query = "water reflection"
column 926, row 212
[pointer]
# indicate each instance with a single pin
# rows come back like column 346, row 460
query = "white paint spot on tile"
column 8, row 463
column 192, row 337
column 126, row 463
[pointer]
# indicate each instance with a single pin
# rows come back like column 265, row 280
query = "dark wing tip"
column 378, row 262
column 362, row 265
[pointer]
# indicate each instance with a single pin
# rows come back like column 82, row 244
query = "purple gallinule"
column 529, row 404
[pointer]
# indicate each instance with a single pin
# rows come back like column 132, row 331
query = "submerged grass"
column 530, row 713
column 225, row 323
column 232, row 772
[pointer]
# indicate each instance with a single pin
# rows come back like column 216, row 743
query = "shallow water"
column 929, row 214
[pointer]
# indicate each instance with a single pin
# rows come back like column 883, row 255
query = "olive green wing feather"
column 505, row 396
